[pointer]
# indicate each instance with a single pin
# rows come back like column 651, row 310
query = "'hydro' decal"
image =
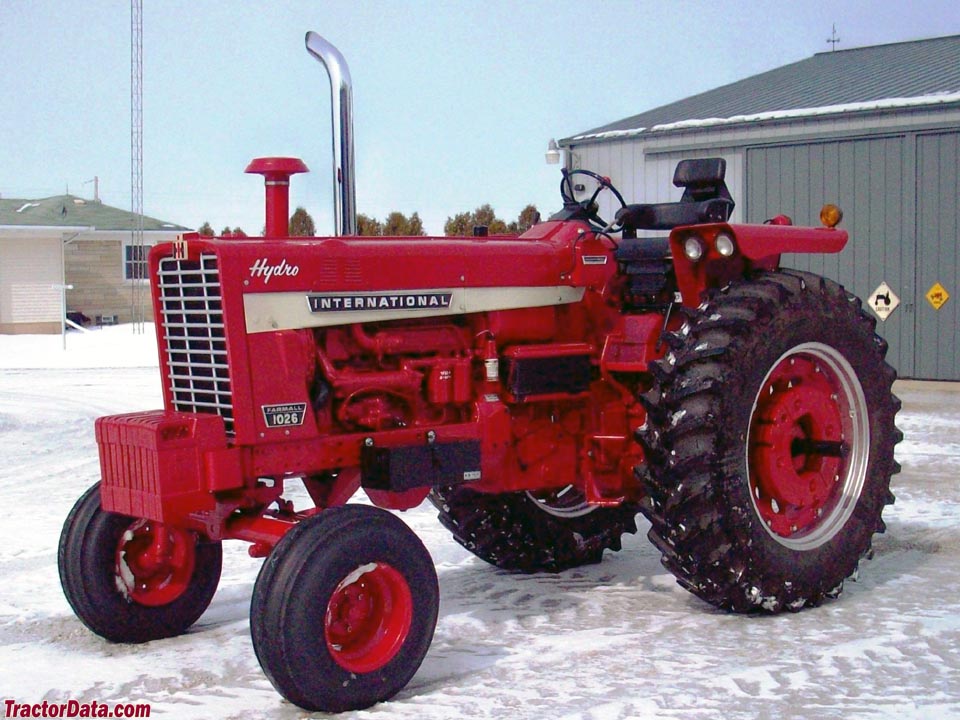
column 263, row 269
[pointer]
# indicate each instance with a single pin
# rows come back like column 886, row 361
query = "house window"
column 135, row 262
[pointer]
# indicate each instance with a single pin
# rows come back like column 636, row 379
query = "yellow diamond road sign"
column 937, row 296
column 883, row 301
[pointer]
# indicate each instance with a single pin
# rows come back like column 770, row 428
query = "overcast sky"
column 454, row 101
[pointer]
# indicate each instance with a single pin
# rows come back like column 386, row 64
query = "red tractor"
column 540, row 390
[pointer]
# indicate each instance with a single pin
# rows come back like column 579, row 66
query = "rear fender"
column 755, row 247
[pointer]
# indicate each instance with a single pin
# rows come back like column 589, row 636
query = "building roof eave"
column 887, row 105
column 83, row 230
column 44, row 229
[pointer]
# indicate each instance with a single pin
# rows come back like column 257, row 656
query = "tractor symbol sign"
column 883, row 301
column 937, row 296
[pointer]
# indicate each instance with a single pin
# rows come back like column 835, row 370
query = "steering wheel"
column 589, row 206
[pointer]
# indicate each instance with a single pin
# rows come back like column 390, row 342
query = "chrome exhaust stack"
column 341, row 113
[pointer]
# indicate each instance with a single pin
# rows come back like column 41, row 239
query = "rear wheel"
column 133, row 580
column 808, row 446
column 770, row 443
column 533, row 532
column 344, row 609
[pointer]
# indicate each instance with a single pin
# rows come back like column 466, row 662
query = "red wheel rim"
column 368, row 618
column 154, row 562
column 808, row 446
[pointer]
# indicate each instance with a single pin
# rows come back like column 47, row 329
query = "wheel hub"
column 368, row 618
column 154, row 562
column 808, row 445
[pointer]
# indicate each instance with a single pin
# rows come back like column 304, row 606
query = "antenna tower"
column 833, row 39
column 136, row 258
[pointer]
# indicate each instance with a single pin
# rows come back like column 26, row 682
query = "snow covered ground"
column 615, row 640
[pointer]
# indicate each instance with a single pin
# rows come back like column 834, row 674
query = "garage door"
column 873, row 181
column 938, row 157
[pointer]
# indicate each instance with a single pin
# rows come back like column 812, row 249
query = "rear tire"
column 344, row 609
column 532, row 533
column 769, row 443
column 113, row 580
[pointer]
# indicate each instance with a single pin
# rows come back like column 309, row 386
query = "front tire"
column 344, row 609
column 770, row 443
column 132, row 580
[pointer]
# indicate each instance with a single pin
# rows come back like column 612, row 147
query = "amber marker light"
column 831, row 215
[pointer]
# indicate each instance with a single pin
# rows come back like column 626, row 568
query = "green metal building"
column 875, row 130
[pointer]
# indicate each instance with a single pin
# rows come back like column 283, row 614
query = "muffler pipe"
column 341, row 113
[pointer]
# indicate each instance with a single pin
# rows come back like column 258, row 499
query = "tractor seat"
column 706, row 199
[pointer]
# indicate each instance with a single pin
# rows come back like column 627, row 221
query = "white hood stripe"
column 266, row 312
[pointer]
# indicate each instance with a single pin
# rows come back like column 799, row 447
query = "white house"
column 60, row 242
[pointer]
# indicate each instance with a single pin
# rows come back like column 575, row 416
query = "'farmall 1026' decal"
column 379, row 301
column 263, row 269
column 286, row 415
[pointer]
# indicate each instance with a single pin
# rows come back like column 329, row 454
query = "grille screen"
column 192, row 308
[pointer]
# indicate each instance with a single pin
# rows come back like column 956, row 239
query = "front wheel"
column 133, row 580
column 344, row 609
column 770, row 443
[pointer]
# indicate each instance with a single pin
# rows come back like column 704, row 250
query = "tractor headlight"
column 724, row 244
column 693, row 248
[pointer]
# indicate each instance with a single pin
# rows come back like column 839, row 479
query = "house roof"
column 915, row 72
column 71, row 211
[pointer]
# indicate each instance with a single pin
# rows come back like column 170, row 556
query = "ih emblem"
column 180, row 248
column 883, row 301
